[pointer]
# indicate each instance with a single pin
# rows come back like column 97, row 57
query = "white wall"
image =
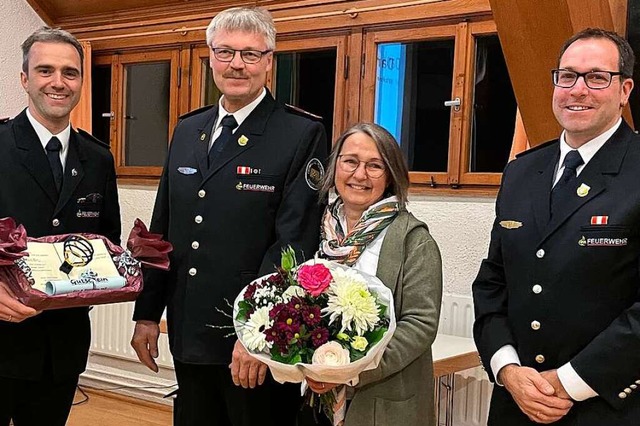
column 17, row 21
column 460, row 225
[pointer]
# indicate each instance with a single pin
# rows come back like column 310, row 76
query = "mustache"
column 234, row 75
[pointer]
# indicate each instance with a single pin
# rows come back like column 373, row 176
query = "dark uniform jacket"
column 579, row 281
column 28, row 194
column 229, row 222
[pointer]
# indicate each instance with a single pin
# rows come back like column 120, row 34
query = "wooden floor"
column 111, row 409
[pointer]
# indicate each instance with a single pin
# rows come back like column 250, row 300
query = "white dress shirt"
column 45, row 136
column 240, row 115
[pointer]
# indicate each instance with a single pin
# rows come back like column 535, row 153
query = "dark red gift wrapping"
column 143, row 248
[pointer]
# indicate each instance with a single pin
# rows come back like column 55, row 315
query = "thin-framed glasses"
column 225, row 54
column 349, row 164
column 593, row 79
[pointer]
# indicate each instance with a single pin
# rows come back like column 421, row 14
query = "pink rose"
column 314, row 278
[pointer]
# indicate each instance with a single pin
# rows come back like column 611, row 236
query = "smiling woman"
column 368, row 228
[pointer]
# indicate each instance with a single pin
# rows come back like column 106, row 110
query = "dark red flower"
column 277, row 279
column 319, row 337
column 311, row 315
column 250, row 291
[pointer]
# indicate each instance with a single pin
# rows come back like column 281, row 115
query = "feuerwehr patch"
column 314, row 174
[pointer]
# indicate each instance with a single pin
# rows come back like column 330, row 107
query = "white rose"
column 332, row 354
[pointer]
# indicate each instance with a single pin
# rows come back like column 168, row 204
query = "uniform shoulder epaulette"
column 299, row 111
column 535, row 148
column 196, row 111
column 93, row 138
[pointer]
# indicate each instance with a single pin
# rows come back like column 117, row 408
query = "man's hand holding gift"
column 13, row 243
column 11, row 310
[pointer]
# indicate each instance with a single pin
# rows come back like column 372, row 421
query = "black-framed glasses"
column 593, row 79
column 349, row 164
column 225, row 54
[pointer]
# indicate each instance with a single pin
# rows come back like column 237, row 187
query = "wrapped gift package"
column 71, row 270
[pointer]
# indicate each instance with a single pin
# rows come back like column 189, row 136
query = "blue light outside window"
column 390, row 87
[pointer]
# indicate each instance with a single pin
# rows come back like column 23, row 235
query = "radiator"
column 112, row 328
column 472, row 388
column 114, row 364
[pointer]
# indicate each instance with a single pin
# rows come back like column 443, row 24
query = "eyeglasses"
column 224, row 54
column 350, row 163
column 593, row 79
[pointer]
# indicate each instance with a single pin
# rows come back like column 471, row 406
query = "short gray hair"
column 249, row 19
column 394, row 161
column 49, row 35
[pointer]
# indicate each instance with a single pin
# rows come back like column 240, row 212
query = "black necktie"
column 228, row 123
column 53, row 154
column 566, row 184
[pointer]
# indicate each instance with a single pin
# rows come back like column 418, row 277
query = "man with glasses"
column 239, row 184
column 558, row 298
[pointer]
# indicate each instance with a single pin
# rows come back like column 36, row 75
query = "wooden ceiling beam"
column 531, row 33
column 44, row 11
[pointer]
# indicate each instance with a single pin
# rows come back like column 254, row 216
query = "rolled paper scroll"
column 55, row 287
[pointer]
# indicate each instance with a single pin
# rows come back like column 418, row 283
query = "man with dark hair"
column 558, row 298
column 239, row 184
column 46, row 169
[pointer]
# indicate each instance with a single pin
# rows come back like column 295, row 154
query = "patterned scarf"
column 346, row 249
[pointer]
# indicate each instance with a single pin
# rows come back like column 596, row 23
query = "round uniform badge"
column 314, row 174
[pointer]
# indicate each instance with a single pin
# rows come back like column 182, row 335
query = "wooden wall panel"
column 289, row 18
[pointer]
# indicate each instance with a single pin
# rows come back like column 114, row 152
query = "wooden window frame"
column 373, row 38
column 319, row 42
column 470, row 32
column 356, row 53
column 198, row 53
column 118, row 61
column 464, row 35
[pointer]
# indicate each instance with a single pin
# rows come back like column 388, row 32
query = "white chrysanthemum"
column 351, row 302
column 292, row 291
column 253, row 330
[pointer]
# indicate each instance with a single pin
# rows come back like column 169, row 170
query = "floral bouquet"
column 320, row 320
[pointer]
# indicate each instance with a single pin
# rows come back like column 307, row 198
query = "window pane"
column 210, row 94
column 413, row 81
column 146, row 114
column 494, row 109
column 101, row 102
column 308, row 80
